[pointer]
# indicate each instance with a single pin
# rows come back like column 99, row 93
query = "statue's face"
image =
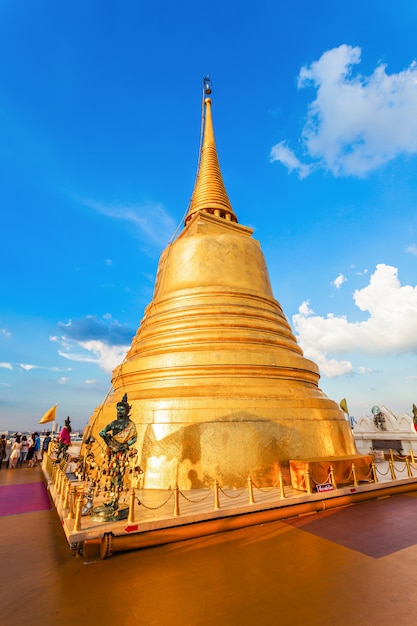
column 121, row 411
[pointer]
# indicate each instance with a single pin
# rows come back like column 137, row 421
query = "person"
column 31, row 450
column 121, row 433
column 46, row 443
column 3, row 444
column 23, row 451
column 64, row 439
column 15, row 453
column 37, row 453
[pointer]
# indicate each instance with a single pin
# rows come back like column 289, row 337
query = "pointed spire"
column 209, row 193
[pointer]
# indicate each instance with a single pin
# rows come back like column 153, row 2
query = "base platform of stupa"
column 155, row 517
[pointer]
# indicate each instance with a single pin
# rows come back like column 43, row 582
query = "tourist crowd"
column 23, row 450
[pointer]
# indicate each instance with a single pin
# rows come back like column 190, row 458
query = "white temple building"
column 383, row 430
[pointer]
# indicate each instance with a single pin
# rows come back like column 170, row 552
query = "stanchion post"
column 131, row 517
column 412, row 456
column 78, row 507
column 176, row 501
column 332, row 478
column 391, row 466
column 58, row 484
column 216, row 496
column 52, row 472
column 355, row 480
column 391, row 455
column 308, row 480
column 407, row 462
column 281, row 486
column 250, row 489
column 72, row 494
column 66, row 498
column 63, row 485
column 374, row 472
column 50, row 467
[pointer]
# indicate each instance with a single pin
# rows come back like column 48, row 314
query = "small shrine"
column 383, row 431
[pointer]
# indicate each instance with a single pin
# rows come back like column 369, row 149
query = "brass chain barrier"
column 265, row 489
column 195, row 501
column 398, row 469
column 370, row 475
column 154, row 508
column 232, row 497
column 381, row 472
column 328, row 479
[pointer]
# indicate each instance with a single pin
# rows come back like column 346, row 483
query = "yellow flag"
column 49, row 416
column 343, row 406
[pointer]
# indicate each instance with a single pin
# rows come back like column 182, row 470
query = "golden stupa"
column 218, row 386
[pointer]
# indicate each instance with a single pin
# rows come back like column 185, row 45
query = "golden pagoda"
column 218, row 386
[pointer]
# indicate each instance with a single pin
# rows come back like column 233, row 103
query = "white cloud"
column 6, row 366
column 282, row 153
column 338, row 282
column 356, row 123
column 305, row 308
column 412, row 249
column 391, row 326
column 77, row 357
column 98, row 352
column 151, row 220
column 329, row 366
column 27, row 367
column 108, row 357
column 5, row 332
column 91, row 339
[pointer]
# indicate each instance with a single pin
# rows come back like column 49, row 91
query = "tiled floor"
column 345, row 567
column 377, row 528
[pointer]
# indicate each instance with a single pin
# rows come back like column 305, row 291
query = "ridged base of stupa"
column 194, row 441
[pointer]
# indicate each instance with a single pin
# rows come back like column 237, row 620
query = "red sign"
column 131, row 528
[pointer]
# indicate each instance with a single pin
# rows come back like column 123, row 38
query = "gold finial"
column 209, row 193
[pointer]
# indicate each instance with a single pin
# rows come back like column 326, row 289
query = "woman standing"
column 29, row 456
column 23, row 451
column 15, row 453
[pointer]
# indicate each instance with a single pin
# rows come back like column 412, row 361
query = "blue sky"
column 314, row 108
